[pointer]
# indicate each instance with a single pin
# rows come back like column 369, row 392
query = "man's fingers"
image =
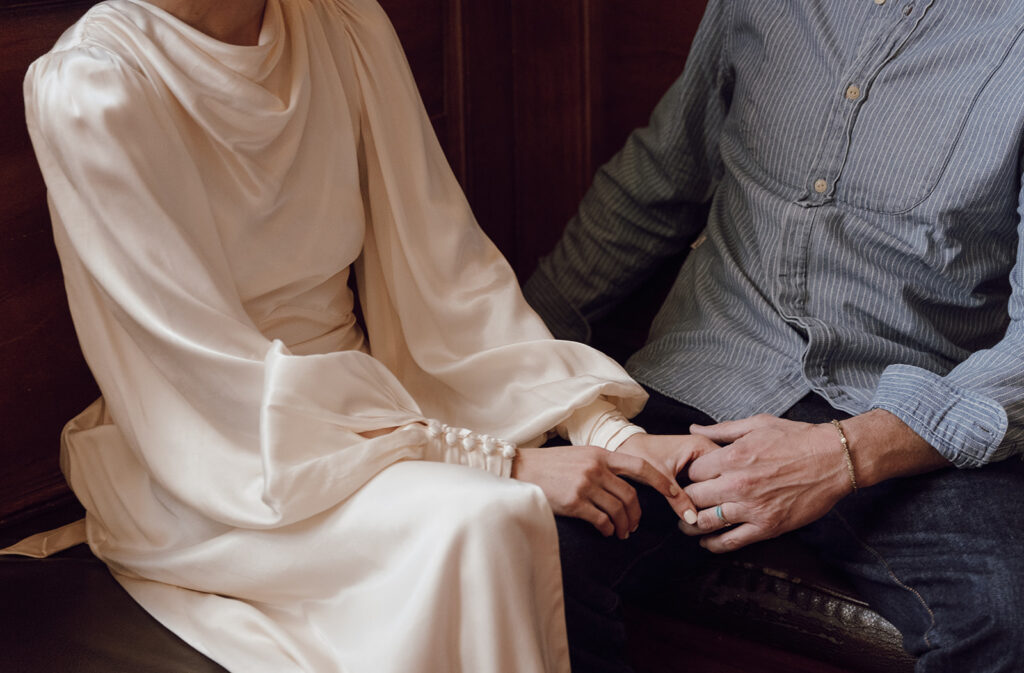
column 733, row 539
column 727, row 432
column 626, row 494
column 708, row 493
column 720, row 516
column 707, row 466
column 716, row 518
column 615, row 508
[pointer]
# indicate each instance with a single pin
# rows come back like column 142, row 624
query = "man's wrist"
column 882, row 447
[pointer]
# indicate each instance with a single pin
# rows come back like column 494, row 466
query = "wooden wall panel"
column 430, row 31
column 636, row 50
column 43, row 379
column 552, row 154
column 586, row 72
column 488, row 112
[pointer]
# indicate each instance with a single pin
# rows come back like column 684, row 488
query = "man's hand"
column 584, row 482
column 777, row 475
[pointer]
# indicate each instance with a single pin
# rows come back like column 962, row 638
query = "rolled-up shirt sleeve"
column 973, row 415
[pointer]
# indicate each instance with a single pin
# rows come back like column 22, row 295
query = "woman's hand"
column 584, row 482
column 669, row 454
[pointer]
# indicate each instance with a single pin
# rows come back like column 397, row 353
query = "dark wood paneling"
column 488, row 109
column 551, row 121
column 430, row 31
column 45, row 381
column 586, row 72
column 636, row 49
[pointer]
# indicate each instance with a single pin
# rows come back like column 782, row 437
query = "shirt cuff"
column 598, row 424
column 964, row 426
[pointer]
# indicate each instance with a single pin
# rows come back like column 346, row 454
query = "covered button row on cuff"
column 469, row 441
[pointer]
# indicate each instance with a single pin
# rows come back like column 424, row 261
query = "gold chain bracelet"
column 846, row 453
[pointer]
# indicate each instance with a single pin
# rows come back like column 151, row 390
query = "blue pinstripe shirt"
column 862, row 166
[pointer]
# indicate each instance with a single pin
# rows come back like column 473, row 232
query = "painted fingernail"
column 690, row 517
column 634, row 528
column 673, row 490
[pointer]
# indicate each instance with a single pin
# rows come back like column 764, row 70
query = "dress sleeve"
column 649, row 201
column 443, row 308
column 598, row 424
column 225, row 420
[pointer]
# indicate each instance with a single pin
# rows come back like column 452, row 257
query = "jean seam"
column 892, row 574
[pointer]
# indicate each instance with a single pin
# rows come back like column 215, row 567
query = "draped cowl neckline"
column 253, row 62
column 244, row 96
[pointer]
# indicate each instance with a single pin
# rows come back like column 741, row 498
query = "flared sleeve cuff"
column 965, row 426
column 465, row 447
column 598, row 424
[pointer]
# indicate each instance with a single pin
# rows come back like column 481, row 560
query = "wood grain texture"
column 551, row 101
column 45, row 381
column 489, row 116
column 637, row 48
column 586, row 72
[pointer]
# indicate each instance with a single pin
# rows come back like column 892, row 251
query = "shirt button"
column 820, row 186
column 852, row 92
column 879, row 2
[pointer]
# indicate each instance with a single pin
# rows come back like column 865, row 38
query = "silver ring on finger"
column 721, row 515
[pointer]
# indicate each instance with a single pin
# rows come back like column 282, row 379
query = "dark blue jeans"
column 939, row 555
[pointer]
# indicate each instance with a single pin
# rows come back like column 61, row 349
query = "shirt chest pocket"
column 902, row 138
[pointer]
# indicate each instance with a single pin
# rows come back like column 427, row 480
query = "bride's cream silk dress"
column 208, row 202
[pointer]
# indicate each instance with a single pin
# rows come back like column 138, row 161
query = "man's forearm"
column 883, row 447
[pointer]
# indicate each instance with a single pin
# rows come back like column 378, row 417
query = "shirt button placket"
column 852, row 93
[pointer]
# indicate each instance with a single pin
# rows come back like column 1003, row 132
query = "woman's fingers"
column 617, row 508
column 640, row 470
column 596, row 517
column 624, row 494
